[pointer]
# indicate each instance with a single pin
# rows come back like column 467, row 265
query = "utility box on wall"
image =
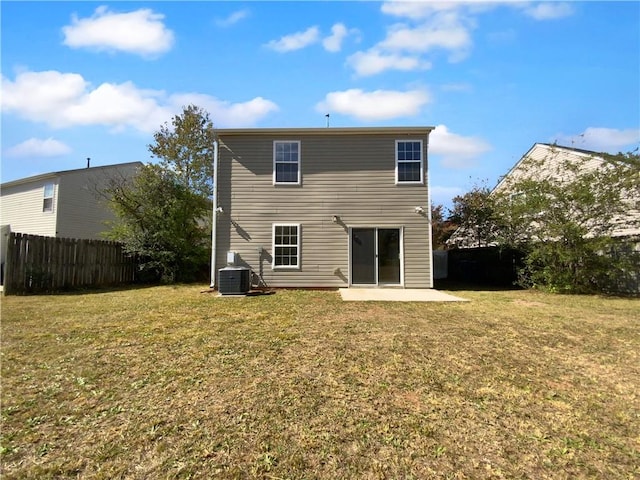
column 234, row 280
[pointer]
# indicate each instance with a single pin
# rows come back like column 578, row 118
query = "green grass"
column 167, row 382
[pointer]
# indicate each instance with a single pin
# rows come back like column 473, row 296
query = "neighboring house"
column 546, row 160
column 60, row 204
column 325, row 207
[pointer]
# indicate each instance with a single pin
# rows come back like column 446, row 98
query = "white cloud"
column 549, row 10
column 227, row 114
column 67, row 99
column 420, row 9
column 403, row 46
column 295, row 41
column 601, row 139
column 446, row 32
column 448, row 25
column 140, row 32
column 36, row 147
column 374, row 106
column 416, row 9
column 233, row 18
column 456, row 151
column 37, row 95
column 374, row 61
column 333, row 43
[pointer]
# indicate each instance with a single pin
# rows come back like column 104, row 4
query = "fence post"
column 9, row 266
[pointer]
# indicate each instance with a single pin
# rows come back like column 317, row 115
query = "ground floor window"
column 286, row 245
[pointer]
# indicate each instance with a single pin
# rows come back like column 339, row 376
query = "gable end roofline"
column 591, row 153
column 326, row 131
column 548, row 146
column 45, row 176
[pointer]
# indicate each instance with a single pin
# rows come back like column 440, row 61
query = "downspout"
column 214, row 214
column 429, row 219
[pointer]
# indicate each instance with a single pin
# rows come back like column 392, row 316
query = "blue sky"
column 85, row 79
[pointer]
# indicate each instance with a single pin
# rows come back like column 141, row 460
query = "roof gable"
column 550, row 154
column 51, row 175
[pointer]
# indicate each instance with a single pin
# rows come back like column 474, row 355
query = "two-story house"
column 325, row 207
column 61, row 204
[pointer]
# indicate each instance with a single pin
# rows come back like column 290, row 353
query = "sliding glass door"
column 375, row 256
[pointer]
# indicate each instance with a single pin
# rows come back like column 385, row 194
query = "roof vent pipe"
column 88, row 162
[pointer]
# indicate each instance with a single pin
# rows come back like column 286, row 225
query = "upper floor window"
column 47, row 202
column 409, row 162
column 286, row 245
column 286, row 162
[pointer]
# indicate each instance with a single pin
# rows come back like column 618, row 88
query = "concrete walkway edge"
column 396, row 295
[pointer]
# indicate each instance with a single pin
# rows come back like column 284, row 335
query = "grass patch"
column 170, row 383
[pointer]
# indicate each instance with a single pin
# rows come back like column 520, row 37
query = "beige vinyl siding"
column 77, row 211
column 83, row 213
column 21, row 208
column 350, row 176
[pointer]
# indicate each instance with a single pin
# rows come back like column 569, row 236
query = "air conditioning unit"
column 234, row 281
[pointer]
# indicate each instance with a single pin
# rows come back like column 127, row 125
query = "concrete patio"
column 396, row 295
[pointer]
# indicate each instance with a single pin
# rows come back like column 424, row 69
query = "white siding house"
column 60, row 204
column 547, row 161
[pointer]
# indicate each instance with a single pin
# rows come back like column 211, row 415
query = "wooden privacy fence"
column 47, row 264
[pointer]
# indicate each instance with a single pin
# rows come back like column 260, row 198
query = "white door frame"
column 400, row 228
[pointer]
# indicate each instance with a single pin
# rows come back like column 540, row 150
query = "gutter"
column 399, row 131
column 214, row 214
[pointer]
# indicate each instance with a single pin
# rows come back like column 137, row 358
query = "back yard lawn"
column 167, row 382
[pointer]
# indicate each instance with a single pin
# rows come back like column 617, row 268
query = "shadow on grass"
column 89, row 290
column 456, row 285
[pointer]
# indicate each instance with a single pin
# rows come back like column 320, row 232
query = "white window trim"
column 273, row 247
column 45, row 197
column 298, row 182
column 421, row 181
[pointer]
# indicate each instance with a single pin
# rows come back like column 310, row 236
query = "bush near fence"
column 35, row 264
column 485, row 266
column 494, row 266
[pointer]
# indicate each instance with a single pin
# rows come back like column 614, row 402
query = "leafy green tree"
column 474, row 213
column 158, row 219
column 186, row 147
column 163, row 213
column 441, row 228
column 565, row 215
